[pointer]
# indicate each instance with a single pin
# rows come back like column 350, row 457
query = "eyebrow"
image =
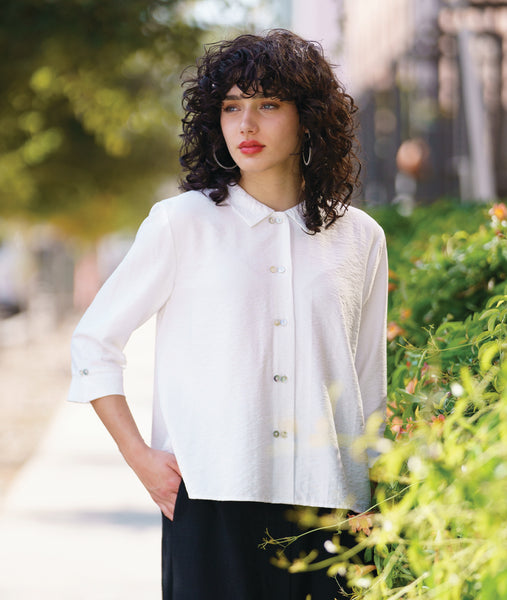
column 244, row 97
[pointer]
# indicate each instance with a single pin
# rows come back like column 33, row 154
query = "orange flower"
column 393, row 331
column 410, row 387
column 396, row 423
column 405, row 314
column 397, row 427
column 400, row 427
column 360, row 523
column 391, row 407
column 499, row 211
column 392, row 281
column 437, row 422
column 362, row 570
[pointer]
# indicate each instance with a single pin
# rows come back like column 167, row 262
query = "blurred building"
column 430, row 79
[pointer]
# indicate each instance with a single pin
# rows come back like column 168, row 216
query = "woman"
column 270, row 294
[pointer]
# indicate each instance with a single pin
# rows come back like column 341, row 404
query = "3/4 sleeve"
column 137, row 289
column 371, row 361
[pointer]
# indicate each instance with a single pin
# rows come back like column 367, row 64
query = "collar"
column 253, row 212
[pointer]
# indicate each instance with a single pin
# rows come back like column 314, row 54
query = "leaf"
column 492, row 321
column 487, row 353
column 487, row 313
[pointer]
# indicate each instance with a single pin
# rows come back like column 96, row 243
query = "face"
column 262, row 134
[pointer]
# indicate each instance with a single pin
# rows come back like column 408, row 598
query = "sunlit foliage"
column 89, row 108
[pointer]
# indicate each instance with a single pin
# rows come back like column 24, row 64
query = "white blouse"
column 270, row 347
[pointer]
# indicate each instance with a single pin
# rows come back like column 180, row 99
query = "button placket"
column 283, row 355
column 279, row 220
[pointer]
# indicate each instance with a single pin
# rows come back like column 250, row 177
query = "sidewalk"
column 76, row 524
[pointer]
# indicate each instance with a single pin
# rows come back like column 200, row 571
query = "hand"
column 158, row 471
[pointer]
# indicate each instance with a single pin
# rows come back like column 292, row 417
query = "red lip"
column 250, row 147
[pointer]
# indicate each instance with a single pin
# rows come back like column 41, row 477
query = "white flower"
column 387, row 525
column 417, row 466
column 457, row 389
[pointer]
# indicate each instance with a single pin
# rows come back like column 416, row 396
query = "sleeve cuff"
column 86, row 386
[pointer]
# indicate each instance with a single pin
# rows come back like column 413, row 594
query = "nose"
column 248, row 122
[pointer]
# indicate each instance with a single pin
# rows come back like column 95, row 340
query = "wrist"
column 133, row 451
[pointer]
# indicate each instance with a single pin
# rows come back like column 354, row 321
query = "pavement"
column 75, row 523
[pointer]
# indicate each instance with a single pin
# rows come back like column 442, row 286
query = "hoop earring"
column 308, row 140
column 221, row 165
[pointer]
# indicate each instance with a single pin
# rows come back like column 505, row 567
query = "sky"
column 236, row 13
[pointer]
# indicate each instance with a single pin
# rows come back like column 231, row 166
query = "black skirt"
column 211, row 551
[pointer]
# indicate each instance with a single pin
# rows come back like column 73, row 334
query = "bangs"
column 254, row 73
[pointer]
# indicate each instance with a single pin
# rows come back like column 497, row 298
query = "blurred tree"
column 89, row 97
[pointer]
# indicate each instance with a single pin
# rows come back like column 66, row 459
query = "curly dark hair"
column 283, row 65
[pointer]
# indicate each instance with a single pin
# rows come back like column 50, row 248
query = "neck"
column 280, row 193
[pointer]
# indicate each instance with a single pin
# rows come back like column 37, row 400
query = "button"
column 280, row 378
column 280, row 322
column 84, row 372
column 275, row 220
column 277, row 434
column 274, row 269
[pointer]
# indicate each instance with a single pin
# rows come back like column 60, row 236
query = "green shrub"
column 442, row 525
column 438, row 277
column 439, row 523
column 442, row 473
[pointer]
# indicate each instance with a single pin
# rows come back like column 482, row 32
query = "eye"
column 227, row 108
column 270, row 105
